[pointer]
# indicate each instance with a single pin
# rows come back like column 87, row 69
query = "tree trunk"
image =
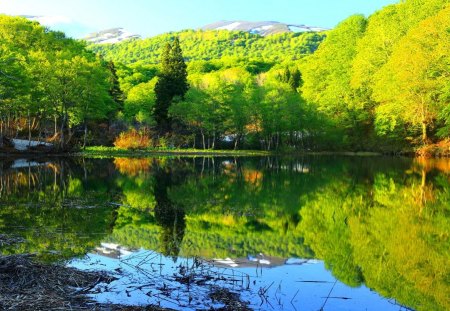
column 56, row 125
column 29, row 128
column 203, row 139
column 424, row 133
column 1, row 133
column 85, row 135
column 277, row 141
column 236, row 141
column 63, row 125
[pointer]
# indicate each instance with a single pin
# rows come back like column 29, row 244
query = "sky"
column 152, row 17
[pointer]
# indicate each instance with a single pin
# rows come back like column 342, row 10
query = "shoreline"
column 191, row 153
column 110, row 152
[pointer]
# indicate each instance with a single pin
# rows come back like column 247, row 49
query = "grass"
column 102, row 151
column 106, row 152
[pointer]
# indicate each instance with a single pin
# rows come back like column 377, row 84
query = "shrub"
column 133, row 139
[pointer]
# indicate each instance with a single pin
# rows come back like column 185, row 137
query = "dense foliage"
column 214, row 45
column 172, row 83
column 384, row 80
column 49, row 84
column 379, row 83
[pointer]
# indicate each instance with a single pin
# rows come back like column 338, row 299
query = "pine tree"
column 295, row 80
column 172, row 83
column 114, row 90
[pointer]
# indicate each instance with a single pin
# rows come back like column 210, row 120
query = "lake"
column 275, row 233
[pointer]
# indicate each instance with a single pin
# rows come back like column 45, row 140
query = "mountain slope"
column 209, row 45
column 261, row 28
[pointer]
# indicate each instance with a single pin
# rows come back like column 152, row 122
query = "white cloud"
column 52, row 20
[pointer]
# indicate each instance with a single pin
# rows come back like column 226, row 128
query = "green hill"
column 208, row 45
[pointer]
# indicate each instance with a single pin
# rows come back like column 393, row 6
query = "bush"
column 133, row 140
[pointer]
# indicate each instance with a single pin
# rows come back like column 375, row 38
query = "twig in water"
column 328, row 296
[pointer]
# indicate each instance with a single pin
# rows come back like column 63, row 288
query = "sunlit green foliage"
column 387, row 75
column 412, row 85
column 327, row 75
column 49, row 79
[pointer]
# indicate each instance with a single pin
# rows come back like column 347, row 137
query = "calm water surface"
column 313, row 233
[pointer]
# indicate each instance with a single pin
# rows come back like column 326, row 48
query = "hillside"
column 207, row 45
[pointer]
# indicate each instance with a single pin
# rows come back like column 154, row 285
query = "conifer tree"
column 172, row 83
column 115, row 91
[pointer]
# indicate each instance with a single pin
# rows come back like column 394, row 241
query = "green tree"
column 115, row 91
column 140, row 103
column 172, row 83
column 411, row 86
column 327, row 75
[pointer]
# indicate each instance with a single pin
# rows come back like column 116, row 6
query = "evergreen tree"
column 115, row 91
column 178, row 70
column 295, row 81
column 172, row 83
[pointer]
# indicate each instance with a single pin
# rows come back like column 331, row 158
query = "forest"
column 378, row 83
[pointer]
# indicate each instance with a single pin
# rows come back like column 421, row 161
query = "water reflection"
column 168, row 214
column 381, row 222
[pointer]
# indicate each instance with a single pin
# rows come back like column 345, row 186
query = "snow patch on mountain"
column 261, row 28
column 231, row 26
column 114, row 35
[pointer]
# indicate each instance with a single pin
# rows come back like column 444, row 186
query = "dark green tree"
column 295, row 81
column 172, row 83
column 114, row 90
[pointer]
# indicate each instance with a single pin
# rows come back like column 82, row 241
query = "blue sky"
column 152, row 17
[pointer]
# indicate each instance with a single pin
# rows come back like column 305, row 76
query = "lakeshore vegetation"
column 377, row 83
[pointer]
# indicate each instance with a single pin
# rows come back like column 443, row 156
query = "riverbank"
column 438, row 150
column 100, row 151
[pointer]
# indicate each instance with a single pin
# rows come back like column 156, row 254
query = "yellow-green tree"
column 327, row 75
column 411, row 85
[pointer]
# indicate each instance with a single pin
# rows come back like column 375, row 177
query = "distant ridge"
column 262, row 28
column 113, row 35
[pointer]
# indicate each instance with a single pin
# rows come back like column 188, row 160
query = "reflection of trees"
column 391, row 233
column 59, row 208
column 169, row 215
column 147, row 209
column 238, row 207
column 30, row 178
column 382, row 222
column 132, row 166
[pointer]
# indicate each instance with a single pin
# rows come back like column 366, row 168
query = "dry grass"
column 29, row 285
column 440, row 149
column 26, row 284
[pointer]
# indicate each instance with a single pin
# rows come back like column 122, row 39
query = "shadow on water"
column 284, row 233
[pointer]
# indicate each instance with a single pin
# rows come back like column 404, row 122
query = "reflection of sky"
column 147, row 277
